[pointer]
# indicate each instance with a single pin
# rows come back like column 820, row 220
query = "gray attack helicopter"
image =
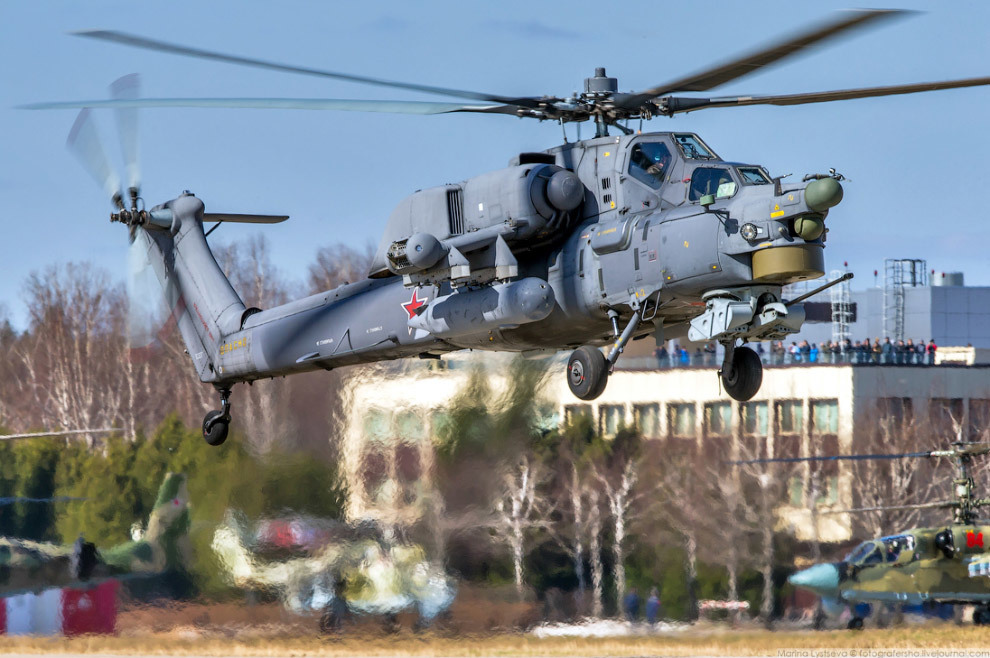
column 586, row 244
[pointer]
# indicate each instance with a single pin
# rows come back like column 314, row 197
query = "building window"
column 647, row 419
column 979, row 420
column 574, row 412
column 610, row 418
column 755, row 418
column 718, row 419
column 547, row 417
column 830, row 491
column 410, row 426
column 790, row 416
column 825, row 474
column 376, row 425
column 825, row 416
column 755, row 427
column 681, row 420
column 946, row 416
column 790, row 422
column 795, row 490
column 374, row 473
column 440, row 423
column 408, row 471
column 894, row 414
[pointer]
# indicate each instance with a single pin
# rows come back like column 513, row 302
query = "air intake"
column 455, row 211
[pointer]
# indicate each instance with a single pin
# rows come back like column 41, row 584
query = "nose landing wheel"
column 741, row 373
column 216, row 424
column 587, row 373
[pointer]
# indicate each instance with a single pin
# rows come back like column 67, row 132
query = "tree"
column 71, row 358
column 338, row 264
column 616, row 469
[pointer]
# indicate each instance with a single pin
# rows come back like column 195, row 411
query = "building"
column 938, row 307
column 808, row 409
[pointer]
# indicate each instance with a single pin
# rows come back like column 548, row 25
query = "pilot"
column 653, row 161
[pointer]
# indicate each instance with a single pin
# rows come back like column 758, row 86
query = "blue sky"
column 917, row 164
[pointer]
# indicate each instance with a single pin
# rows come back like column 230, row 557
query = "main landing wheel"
column 855, row 624
column 744, row 376
column 587, row 372
column 981, row 617
column 215, row 427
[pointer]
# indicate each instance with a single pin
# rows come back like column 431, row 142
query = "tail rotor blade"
column 146, row 313
column 128, row 88
column 84, row 142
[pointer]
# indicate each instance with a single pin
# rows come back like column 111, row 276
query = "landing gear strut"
column 217, row 422
column 742, row 371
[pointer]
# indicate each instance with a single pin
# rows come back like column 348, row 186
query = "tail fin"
column 165, row 544
column 200, row 298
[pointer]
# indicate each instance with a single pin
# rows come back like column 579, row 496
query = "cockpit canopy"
column 885, row 550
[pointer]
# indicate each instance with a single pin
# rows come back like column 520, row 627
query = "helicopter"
column 334, row 569
column 587, row 244
column 163, row 547
column 944, row 564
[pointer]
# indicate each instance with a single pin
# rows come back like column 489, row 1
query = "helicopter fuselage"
column 950, row 564
column 661, row 228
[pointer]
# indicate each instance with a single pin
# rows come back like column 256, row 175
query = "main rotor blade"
column 883, row 508
column 244, row 219
column 831, row 458
column 677, row 105
column 336, row 104
column 128, row 88
column 13, row 500
column 31, row 435
column 175, row 49
column 752, row 62
column 84, row 141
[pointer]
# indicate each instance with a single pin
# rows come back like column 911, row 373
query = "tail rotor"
column 145, row 309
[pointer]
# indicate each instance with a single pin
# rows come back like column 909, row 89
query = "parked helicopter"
column 334, row 569
column 164, row 546
column 945, row 564
column 591, row 243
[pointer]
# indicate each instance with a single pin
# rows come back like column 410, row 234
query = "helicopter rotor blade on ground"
column 754, row 61
column 175, row 49
column 336, row 104
column 14, row 500
column 32, row 435
column 829, row 458
column 945, row 504
column 677, row 105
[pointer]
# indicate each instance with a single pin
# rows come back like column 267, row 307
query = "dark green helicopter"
column 581, row 246
column 942, row 564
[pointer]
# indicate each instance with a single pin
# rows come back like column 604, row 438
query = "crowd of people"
column 886, row 352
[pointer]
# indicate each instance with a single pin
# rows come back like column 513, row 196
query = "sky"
column 916, row 163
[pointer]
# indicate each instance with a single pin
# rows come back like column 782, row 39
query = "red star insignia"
column 414, row 304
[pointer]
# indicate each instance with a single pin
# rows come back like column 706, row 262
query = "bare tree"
column 678, row 501
column 521, row 506
column 338, row 264
column 70, row 358
column 889, row 483
column 248, row 266
column 617, row 472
